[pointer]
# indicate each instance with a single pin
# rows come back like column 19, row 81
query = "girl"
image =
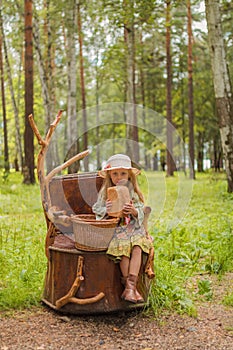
column 129, row 239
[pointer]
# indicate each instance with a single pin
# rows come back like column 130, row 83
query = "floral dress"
column 130, row 231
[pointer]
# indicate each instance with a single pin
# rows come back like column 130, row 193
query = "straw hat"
column 118, row 161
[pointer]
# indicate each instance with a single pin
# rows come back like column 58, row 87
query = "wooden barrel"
column 100, row 284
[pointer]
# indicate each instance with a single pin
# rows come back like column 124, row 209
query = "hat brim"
column 103, row 172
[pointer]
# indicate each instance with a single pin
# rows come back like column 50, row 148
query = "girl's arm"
column 135, row 208
column 139, row 207
column 99, row 208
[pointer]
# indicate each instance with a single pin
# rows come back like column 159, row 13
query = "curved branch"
column 36, row 131
column 69, row 297
column 66, row 164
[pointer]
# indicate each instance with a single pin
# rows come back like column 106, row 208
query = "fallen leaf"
column 116, row 329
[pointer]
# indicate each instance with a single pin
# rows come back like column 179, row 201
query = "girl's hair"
column 132, row 178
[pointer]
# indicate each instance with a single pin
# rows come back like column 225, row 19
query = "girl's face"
column 117, row 175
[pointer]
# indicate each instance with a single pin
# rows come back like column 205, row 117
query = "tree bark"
column 83, row 91
column 190, row 94
column 72, row 128
column 51, row 65
column 6, row 151
column 222, row 85
column 170, row 161
column 183, row 112
column 19, row 151
column 132, row 146
column 28, row 169
column 217, row 155
column 143, row 97
column 200, row 152
column 48, row 95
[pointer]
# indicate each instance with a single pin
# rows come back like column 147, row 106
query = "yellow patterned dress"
column 130, row 231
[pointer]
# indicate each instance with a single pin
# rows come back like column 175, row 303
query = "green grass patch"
column 22, row 234
column 228, row 299
column 195, row 239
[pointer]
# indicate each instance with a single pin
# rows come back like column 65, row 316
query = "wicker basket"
column 91, row 234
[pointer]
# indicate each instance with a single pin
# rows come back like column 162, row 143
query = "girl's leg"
column 124, row 266
column 135, row 261
column 131, row 293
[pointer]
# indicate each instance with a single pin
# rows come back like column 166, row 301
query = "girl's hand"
column 129, row 209
column 108, row 205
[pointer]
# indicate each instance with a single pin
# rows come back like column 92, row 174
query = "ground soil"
column 42, row 328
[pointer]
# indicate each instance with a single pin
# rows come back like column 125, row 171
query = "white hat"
column 118, row 161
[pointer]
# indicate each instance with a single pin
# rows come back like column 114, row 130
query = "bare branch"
column 36, row 131
column 66, row 164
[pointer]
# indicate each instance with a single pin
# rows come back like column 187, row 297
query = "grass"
column 22, row 234
column 191, row 224
column 200, row 244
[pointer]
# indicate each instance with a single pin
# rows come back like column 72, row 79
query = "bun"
column 118, row 195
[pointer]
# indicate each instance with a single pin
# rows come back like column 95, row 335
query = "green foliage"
column 168, row 292
column 204, row 288
column 22, row 233
column 202, row 243
column 228, row 300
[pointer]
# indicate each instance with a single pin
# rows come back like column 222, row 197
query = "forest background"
column 80, row 55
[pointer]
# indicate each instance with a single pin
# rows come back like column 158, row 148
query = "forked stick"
column 44, row 180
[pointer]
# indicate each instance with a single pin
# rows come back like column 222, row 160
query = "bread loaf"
column 119, row 196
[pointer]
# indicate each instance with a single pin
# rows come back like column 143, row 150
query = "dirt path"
column 41, row 328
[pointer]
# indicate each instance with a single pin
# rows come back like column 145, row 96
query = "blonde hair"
column 132, row 178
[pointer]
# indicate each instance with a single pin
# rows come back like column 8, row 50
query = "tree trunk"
column 72, row 128
column 217, row 155
column 28, row 170
column 200, row 153
column 190, row 94
column 170, row 161
column 98, row 162
column 19, row 151
column 222, row 85
column 182, row 113
column 83, row 91
column 6, row 151
column 52, row 159
column 132, row 146
column 51, row 65
column 143, row 96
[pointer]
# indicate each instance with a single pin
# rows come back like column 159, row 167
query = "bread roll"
column 119, row 196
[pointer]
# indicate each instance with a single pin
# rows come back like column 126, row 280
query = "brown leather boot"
column 138, row 296
column 130, row 287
